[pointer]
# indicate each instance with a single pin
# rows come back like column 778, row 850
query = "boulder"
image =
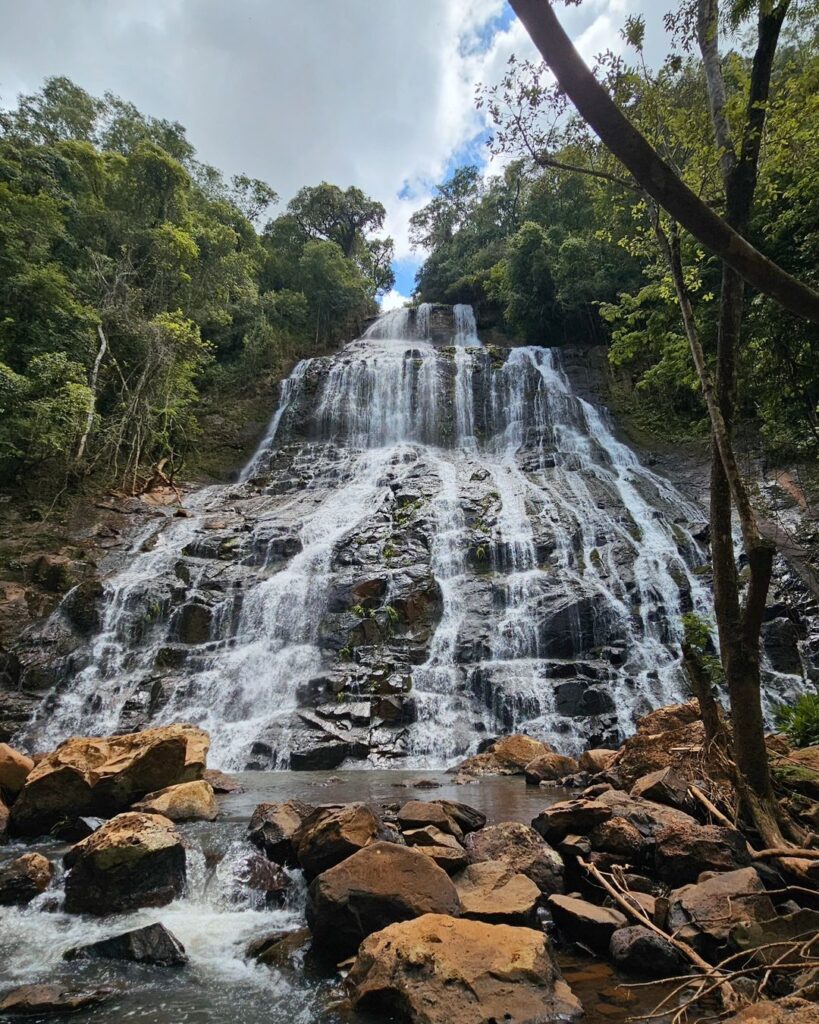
column 256, row 874
column 491, row 891
column 104, row 776
column 444, row 970
column 577, row 817
column 273, row 827
column 549, row 768
column 444, row 849
column 638, row 950
column 620, row 839
column 508, row 755
column 705, row 914
column 24, row 878
column 684, row 851
column 220, row 782
column 134, row 860
column 669, row 736
column 14, row 769
column 45, row 1000
column 153, row 944
column 281, row 949
column 596, row 760
column 4, row 821
column 584, row 922
column 78, row 829
column 187, row 801
column 449, row 816
column 665, row 786
column 329, row 834
column 373, row 888
column 649, row 818
column 522, row 849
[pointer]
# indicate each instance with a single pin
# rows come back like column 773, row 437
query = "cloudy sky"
column 376, row 93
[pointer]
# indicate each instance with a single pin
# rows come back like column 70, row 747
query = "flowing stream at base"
column 436, row 540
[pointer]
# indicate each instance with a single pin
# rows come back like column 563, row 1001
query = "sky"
column 373, row 93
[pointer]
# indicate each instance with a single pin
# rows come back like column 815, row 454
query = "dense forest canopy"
column 560, row 247
column 132, row 275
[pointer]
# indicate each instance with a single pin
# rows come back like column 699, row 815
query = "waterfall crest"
column 435, row 541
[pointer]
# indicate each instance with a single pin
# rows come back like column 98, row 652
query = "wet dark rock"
column 220, row 782
column 261, row 876
column 153, row 944
column 282, row 949
column 78, row 829
column 48, row 1000
column 24, row 878
column 273, row 826
column 82, row 607
column 193, row 623
column 134, row 860
column 780, row 639
column 373, row 888
column 638, row 950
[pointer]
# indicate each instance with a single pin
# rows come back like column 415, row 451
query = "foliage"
column 801, row 721
column 132, row 275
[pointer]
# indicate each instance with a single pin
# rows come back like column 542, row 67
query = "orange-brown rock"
column 597, row 760
column 24, row 878
column 273, row 827
column 685, row 850
column 508, row 755
column 187, row 801
column 14, row 768
column 330, row 834
column 790, row 1010
column 522, row 849
column 549, row 768
column 491, row 891
column 670, row 736
column 92, row 775
column 447, row 815
column 444, row 849
column 373, row 888
column 444, row 970
column 585, row 922
column 46, row 1000
column 133, row 860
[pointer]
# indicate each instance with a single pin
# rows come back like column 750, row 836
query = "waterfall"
column 434, row 541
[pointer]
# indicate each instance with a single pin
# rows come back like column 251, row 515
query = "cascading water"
column 435, row 541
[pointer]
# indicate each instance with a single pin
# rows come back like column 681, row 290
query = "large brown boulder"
column 187, row 801
column 596, row 760
column 522, row 849
column 549, row 767
column 665, row 786
column 684, row 851
column 704, row 915
column 577, row 817
column 585, row 922
column 444, row 970
column 491, row 891
column 330, row 834
column 449, row 816
column 24, row 878
column 133, row 860
column 373, row 888
column 273, row 827
column 508, row 755
column 104, row 776
column 14, row 769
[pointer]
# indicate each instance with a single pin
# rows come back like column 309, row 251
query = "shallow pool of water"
column 215, row 923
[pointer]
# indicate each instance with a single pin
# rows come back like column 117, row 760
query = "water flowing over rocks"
column 437, row 542
column 153, row 944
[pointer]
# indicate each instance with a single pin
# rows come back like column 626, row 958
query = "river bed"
column 217, row 919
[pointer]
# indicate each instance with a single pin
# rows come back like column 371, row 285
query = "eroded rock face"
column 330, row 834
column 373, row 888
column 521, row 848
column 134, row 860
column 153, row 944
column 103, row 776
column 24, row 878
column 443, row 970
column 187, row 801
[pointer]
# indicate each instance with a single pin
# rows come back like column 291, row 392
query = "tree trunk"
column 89, row 422
column 651, row 171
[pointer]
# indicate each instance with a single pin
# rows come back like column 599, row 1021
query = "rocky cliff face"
column 436, row 541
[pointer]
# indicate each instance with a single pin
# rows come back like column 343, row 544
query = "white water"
column 511, row 439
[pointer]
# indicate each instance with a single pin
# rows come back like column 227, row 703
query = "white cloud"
column 393, row 300
column 377, row 94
